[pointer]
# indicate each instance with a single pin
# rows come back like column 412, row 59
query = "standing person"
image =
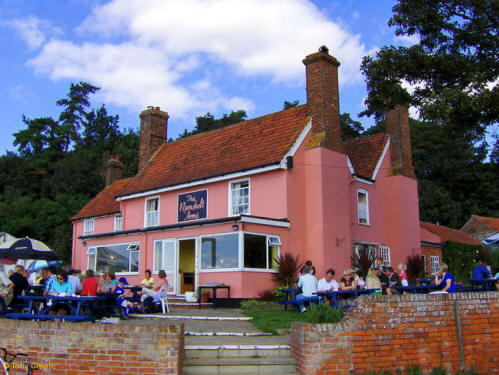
column 445, row 279
column 51, row 278
column 347, row 282
column 308, row 285
column 328, row 283
column 6, row 291
column 19, row 280
column 480, row 271
column 159, row 292
column 148, row 282
column 74, row 281
column 403, row 274
column 43, row 277
column 90, row 285
column 393, row 280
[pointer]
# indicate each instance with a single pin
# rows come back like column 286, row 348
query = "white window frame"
column 384, row 254
column 146, row 222
column 88, row 227
column 130, row 245
column 230, row 195
column 365, row 192
column 267, row 242
column 434, row 263
column 118, row 223
column 92, row 251
column 359, row 245
column 208, row 270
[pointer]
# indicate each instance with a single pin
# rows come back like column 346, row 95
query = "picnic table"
column 74, row 303
column 345, row 293
column 214, row 289
column 483, row 284
column 290, row 292
column 416, row 289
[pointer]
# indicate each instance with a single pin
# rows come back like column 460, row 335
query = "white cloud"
column 163, row 41
column 33, row 30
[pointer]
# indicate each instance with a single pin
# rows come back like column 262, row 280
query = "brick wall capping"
column 154, row 112
column 318, row 56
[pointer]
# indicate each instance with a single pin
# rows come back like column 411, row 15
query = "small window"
column 435, row 263
column 239, row 198
column 274, row 241
column 152, row 212
column 363, row 207
column 117, row 223
column 384, row 253
column 91, row 258
column 88, row 226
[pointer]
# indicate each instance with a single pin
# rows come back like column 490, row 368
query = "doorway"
column 186, row 265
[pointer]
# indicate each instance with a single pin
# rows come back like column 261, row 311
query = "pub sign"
column 192, row 206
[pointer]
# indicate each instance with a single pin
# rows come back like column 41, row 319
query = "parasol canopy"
column 26, row 248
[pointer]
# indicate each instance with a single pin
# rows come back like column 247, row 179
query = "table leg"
column 215, row 298
column 199, row 297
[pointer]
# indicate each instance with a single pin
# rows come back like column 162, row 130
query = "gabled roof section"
column 364, row 153
column 449, row 234
column 491, row 222
column 249, row 144
column 103, row 203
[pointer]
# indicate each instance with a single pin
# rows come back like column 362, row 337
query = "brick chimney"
column 114, row 170
column 397, row 127
column 323, row 100
column 153, row 132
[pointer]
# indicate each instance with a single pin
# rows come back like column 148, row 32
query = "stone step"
column 237, row 340
column 236, row 351
column 191, row 317
column 215, row 333
column 240, row 365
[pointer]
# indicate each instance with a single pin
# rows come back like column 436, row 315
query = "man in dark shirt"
column 481, row 272
column 393, row 280
column 20, row 282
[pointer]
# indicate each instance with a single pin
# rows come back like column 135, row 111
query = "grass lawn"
column 269, row 316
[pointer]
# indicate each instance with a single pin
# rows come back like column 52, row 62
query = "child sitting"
column 127, row 305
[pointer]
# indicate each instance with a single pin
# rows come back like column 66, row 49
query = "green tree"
column 208, row 122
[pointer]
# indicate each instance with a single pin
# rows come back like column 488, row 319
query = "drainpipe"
column 459, row 335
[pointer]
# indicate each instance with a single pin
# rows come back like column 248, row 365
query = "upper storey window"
column 152, row 212
column 363, row 207
column 88, row 226
column 239, row 197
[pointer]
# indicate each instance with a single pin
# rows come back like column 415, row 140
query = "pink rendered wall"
column 242, row 284
column 402, row 218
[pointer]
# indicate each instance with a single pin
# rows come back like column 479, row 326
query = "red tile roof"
column 492, row 222
column 364, row 153
column 103, row 203
column 246, row 145
column 449, row 234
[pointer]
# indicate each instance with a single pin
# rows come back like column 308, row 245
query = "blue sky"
column 188, row 57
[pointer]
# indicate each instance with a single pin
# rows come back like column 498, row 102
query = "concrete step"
column 236, row 340
column 235, row 351
column 216, row 333
column 240, row 365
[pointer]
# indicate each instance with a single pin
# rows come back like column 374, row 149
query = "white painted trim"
column 362, row 191
column 350, row 166
column 275, row 223
column 230, row 196
column 114, row 244
column 380, row 161
column 297, row 144
column 145, row 210
column 261, row 270
column 96, row 217
column 121, row 227
column 360, row 179
column 85, row 233
column 201, row 182
column 219, row 270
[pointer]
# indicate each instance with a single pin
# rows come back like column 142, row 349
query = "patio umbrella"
column 26, row 248
column 40, row 263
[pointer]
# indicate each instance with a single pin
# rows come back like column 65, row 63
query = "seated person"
column 148, row 282
column 445, row 280
column 51, row 278
column 347, row 282
column 74, row 280
column 113, row 283
column 382, row 277
column 308, row 265
column 159, row 292
column 20, row 282
column 328, row 283
column 43, row 277
column 60, row 288
column 308, row 285
column 90, row 285
column 480, row 271
column 373, row 282
column 127, row 305
column 393, row 280
column 103, row 282
column 6, row 291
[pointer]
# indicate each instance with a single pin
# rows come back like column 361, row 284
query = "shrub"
column 323, row 313
column 415, row 267
column 287, row 269
column 249, row 304
column 267, row 295
column 363, row 260
column 462, row 259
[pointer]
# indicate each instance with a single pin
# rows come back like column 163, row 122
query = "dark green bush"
column 462, row 258
column 323, row 313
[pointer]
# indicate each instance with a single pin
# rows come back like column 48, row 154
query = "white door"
column 170, row 264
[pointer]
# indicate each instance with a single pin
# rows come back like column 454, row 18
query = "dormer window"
column 152, row 212
column 239, row 198
column 363, row 207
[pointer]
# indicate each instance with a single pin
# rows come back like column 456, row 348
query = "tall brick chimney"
column 323, row 100
column 153, row 132
column 397, row 127
column 114, row 170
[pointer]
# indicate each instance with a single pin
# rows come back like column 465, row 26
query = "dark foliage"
column 363, row 260
column 415, row 268
column 267, row 295
column 208, row 122
column 287, row 269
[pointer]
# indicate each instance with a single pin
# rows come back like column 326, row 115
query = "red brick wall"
column 93, row 348
column 385, row 332
column 429, row 251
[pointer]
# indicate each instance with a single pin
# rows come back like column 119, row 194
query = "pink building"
column 220, row 206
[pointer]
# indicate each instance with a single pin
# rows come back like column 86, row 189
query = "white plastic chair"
column 164, row 304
